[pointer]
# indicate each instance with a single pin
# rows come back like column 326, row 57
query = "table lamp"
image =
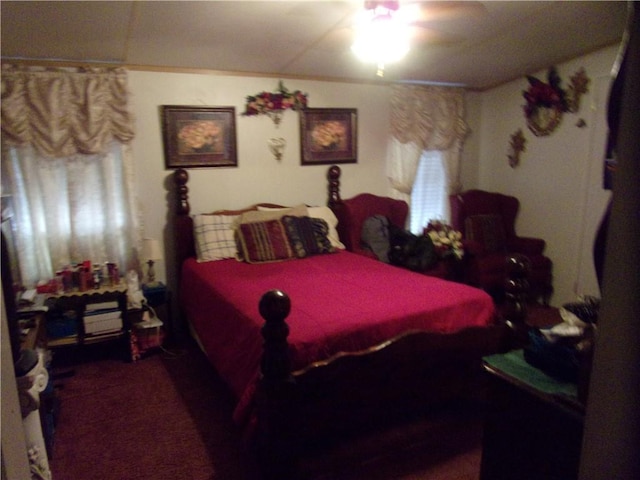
column 151, row 252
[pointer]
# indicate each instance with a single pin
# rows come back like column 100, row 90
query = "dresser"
column 534, row 423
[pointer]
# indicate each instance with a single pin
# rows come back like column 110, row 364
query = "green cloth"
column 513, row 364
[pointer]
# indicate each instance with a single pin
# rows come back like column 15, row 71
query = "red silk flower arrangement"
column 549, row 95
column 268, row 103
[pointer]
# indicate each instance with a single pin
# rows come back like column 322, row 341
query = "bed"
column 319, row 346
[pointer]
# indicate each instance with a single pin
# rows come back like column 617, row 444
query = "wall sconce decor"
column 517, row 146
column 546, row 102
column 276, row 146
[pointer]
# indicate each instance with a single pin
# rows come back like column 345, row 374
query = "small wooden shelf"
column 77, row 302
column 60, row 342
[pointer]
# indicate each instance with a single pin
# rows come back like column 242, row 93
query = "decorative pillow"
column 375, row 236
column 328, row 216
column 214, row 237
column 324, row 213
column 487, row 230
column 307, row 236
column 264, row 241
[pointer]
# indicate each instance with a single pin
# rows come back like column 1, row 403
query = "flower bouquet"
column 447, row 242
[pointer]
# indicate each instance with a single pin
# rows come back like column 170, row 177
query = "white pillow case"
column 214, row 237
column 263, row 214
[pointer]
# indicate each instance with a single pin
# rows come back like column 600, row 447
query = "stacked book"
column 102, row 318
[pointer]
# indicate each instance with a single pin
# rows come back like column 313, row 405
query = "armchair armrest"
column 526, row 245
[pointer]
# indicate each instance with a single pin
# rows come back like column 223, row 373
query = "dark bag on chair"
column 409, row 250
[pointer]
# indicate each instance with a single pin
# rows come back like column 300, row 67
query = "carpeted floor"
column 168, row 416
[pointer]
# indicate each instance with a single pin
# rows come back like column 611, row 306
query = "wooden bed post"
column 183, row 224
column 274, row 307
column 275, row 391
column 334, row 186
column 182, row 237
column 334, row 201
column 180, row 178
column 516, row 295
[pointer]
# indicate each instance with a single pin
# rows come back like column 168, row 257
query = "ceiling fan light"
column 381, row 38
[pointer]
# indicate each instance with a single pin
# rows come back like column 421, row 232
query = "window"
column 67, row 168
column 67, row 210
column 429, row 193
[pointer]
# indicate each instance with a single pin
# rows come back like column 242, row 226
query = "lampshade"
column 151, row 249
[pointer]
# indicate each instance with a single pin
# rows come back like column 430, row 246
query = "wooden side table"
column 70, row 308
column 534, row 424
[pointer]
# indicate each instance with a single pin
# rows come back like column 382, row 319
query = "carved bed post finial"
column 180, row 178
column 274, row 307
column 334, row 186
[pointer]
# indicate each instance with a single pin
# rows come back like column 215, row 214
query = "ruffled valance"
column 431, row 117
column 62, row 112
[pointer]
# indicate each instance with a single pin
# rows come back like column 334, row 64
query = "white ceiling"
column 476, row 44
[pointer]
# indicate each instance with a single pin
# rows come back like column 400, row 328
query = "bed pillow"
column 265, row 213
column 324, row 213
column 487, row 230
column 264, row 241
column 214, row 237
column 307, row 236
column 328, row 216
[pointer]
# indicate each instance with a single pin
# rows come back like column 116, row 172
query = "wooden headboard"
column 183, row 223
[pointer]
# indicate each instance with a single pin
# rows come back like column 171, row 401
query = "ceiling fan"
column 385, row 29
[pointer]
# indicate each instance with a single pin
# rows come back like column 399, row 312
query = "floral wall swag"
column 274, row 104
column 517, row 146
column 546, row 102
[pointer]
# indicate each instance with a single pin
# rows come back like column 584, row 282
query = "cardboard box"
column 149, row 334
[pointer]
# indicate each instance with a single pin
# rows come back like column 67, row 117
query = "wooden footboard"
column 352, row 393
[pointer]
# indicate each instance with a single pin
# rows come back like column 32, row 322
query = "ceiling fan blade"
column 430, row 36
column 427, row 11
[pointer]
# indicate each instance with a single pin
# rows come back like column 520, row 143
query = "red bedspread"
column 339, row 302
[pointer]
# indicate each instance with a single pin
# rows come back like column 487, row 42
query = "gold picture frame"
column 198, row 137
column 328, row 136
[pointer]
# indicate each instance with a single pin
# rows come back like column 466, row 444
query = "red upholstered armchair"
column 487, row 222
column 353, row 212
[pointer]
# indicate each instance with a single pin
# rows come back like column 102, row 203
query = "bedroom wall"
column 558, row 180
column 258, row 176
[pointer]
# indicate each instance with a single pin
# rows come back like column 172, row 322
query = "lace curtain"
column 424, row 118
column 67, row 167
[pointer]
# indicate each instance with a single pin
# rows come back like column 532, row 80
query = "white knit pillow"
column 214, row 237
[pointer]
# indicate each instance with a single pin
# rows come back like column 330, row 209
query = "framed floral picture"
column 199, row 136
column 328, row 135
